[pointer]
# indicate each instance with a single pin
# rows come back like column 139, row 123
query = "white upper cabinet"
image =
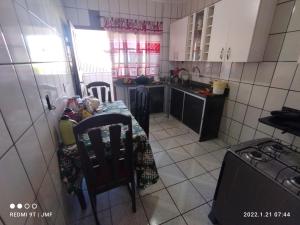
column 219, row 32
column 178, row 39
column 240, row 30
column 171, row 43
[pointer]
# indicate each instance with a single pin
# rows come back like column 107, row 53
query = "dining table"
column 145, row 168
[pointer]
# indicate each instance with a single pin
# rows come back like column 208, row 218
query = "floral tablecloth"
column 146, row 170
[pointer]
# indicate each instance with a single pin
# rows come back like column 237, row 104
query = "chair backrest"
column 105, row 164
column 142, row 107
column 103, row 89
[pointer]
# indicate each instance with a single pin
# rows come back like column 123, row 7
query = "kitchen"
column 254, row 47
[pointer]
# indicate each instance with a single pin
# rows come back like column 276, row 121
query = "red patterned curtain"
column 131, row 25
column 135, row 47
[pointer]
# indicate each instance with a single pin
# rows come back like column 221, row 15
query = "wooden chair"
column 108, row 167
column 103, row 88
column 142, row 107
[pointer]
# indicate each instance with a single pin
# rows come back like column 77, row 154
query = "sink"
column 196, row 89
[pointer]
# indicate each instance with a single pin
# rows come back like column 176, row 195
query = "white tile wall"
column 291, row 47
column 284, row 74
column 44, row 136
column 4, row 55
column 295, row 19
column 31, row 155
column 12, row 32
column 236, row 71
column 26, row 143
column 260, row 87
column 273, row 47
column 296, row 81
column 12, row 102
column 275, row 99
column 244, row 93
column 258, row 96
column 15, row 186
column 239, row 112
column 93, row 4
column 234, row 87
column 249, row 72
column 30, row 90
column 265, row 73
column 282, row 16
column 252, row 115
column 137, row 9
column 235, row 129
column 47, row 197
column 247, row 133
column 5, row 138
column 293, row 100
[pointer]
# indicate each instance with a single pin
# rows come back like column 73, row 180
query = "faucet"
column 183, row 69
column 196, row 68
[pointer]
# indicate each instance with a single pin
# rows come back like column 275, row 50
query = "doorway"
column 93, row 58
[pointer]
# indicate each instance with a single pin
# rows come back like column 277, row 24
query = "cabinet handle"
column 228, row 53
column 221, row 53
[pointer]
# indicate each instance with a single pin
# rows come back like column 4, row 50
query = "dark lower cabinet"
column 132, row 93
column 157, row 97
column 192, row 112
column 176, row 103
column 212, row 117
column 189, row 109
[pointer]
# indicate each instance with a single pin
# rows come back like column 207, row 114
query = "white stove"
column 259, row 184
column 271, row 157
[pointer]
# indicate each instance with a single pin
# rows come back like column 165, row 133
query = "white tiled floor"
column 188, row 172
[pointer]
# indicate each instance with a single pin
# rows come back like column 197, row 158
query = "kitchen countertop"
column 192, row 89
column 120, row 84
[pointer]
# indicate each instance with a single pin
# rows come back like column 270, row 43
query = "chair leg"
column 81, row 199
column 94, row 207
column 133, row 195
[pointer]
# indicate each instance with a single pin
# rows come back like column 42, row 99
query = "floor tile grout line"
column 165, row 187
column 192, row 157
column 187, row 179
column 188, row 132
column 206, row 172
column 181, row 214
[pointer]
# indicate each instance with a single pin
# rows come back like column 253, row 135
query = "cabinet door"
column 178, row 38
column 176, row 103
column 172, row 41
column 132, row 93
column 219, row 31
column 181, row 32
column 157, row 97
column 192, row 114
column 243, row 16
column 121, row 94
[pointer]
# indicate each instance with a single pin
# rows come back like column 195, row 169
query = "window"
column 134, row 54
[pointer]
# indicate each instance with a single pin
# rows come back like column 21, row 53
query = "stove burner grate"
column 273, row 148
column 256, row 155
column 295, row 181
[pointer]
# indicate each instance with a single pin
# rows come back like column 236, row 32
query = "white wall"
column 166, row 11
column 33, row 63
column 258, row 88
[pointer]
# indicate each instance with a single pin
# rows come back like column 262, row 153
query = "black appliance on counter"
column 259, row 184
column 287, row 120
